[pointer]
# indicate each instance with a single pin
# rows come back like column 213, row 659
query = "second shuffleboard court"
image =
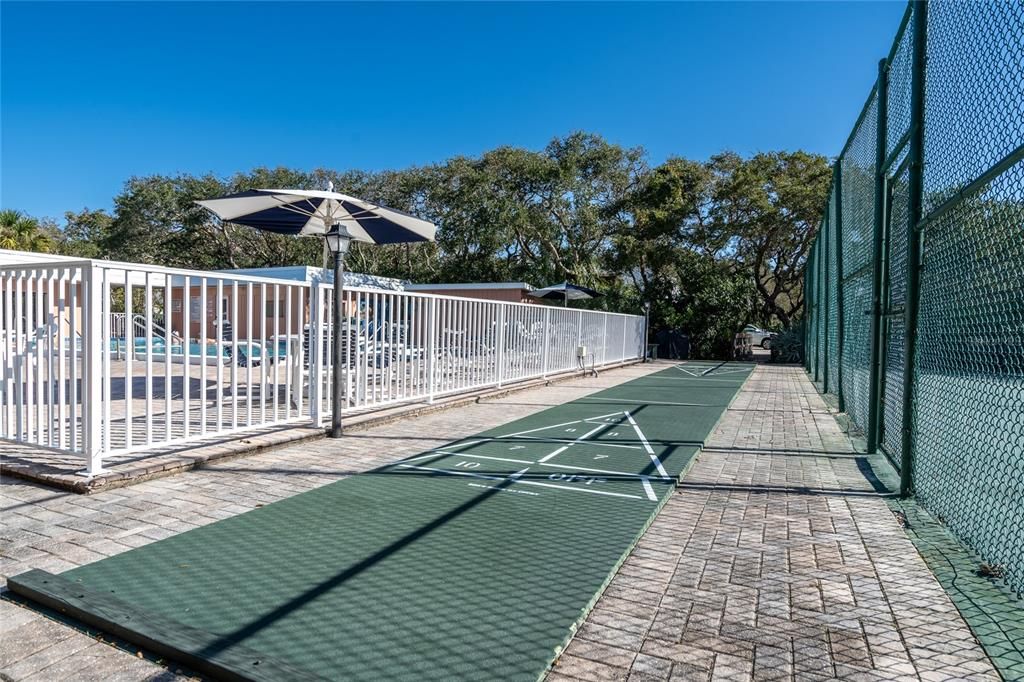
column 473, row 560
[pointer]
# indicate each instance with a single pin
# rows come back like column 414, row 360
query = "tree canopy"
column 711, row 244
column 23, row 232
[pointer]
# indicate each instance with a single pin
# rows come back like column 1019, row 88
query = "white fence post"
column 604, row 341
column 579, row 331
column 315, row 357
column 547, row 339
column 501, row 342
column 7, row 336
column 622, row 355
column 92, row 407
column 431, row 349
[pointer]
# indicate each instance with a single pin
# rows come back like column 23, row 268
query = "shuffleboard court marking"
column 516, row 479
column 650, row 402
column 648, row 488
column 644, row 479
column 707, row 377
column 552, row 454
column 566, row 447
column 503, row 490
column 565, row 440
column 729, row 371
column 709, row 370
column 713, row 371
column 618, row 419
column 604, row 471
column 475, row 456
column 555, row 426
column 647, row 446
column 581, row 490
column 452, row 473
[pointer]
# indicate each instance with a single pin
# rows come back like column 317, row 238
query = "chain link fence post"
column 875, row 334
column 916, row 192
column 817, row 308
column 837, row 190
column 823, row 236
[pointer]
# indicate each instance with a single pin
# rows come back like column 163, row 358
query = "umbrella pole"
column 337, row 382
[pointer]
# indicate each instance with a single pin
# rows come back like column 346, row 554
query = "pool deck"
column 778, row 557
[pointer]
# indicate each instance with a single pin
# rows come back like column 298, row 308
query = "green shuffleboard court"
column 475, row 560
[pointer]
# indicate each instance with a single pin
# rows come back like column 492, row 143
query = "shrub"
column 788, row 346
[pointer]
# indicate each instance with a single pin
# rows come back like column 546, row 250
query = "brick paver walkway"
column 777, row 559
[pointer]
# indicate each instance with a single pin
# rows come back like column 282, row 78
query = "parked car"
column 759, row 337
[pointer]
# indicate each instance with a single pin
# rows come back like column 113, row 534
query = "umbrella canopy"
column 564, row 292
column 314, row 212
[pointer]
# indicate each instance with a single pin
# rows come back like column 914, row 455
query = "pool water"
column 195, row 349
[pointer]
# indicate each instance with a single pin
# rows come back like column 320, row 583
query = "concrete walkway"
column 777, row 559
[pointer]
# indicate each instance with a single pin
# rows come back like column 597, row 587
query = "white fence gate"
column 103, row 358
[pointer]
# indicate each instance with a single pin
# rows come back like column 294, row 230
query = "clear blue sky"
column 93, row 93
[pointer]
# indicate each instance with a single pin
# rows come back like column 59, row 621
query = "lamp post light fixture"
column 338, row 240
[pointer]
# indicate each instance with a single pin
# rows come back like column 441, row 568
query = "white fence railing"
column 88, row 367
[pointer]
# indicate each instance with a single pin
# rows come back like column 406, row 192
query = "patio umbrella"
column 315, row 212
column 338, row 218
column 564, row 292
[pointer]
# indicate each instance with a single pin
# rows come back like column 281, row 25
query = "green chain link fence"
column 915, row 282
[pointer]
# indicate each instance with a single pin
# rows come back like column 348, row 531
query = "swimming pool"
column 245, row 350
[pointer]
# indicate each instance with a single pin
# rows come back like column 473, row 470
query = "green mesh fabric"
column 808, row 299
column 892, row 394
column 967, row 401
column 894, row 298
column 858, row 169
column 969, row 373
column 808, row 310
column 822, row 310
column 974, row 83
column 968, row 426
column 898, row 95
column 812, row 325
column 812, row 307
column 832, row 333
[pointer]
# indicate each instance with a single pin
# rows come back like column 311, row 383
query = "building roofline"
column 454, row 286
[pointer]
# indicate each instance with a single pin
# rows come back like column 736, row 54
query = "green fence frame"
column 917, row 203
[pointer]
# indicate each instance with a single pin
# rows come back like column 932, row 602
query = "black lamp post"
column 338, row 240
column 647, row 326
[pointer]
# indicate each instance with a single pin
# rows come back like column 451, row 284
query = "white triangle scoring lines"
column 647, row 446
column 555, row 426
column 711, row 371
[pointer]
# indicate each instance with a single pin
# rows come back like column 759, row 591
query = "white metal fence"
column 104, row 359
